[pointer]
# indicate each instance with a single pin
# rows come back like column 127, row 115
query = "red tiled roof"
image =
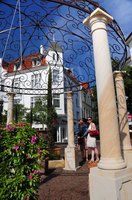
column 84, row 85
column 26, row 62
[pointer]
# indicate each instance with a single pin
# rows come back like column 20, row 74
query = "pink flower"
column 28, row 157
column 20, row 125
column 35, row 172
column 1, row 137
column 30, row 177
column 10, row 128
column 26, row 198
column 33, row 139
column 16, row 148
column 39, row 151
column 21, row 144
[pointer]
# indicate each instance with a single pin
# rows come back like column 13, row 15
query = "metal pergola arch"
column 75, row 39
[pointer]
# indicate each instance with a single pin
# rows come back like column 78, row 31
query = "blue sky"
column 121, row 10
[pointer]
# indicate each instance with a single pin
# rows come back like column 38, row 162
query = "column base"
column 107, row 163
column 110, row 184
column 71, row 159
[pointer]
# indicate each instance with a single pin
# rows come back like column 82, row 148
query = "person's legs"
column 92, row 154
column 85, row 149
column 86, row 154
column 82, row 151
column 97, row 154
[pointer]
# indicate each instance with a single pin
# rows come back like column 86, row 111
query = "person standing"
column 81, row 134
column 91, row 141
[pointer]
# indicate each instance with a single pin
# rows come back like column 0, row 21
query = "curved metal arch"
column 73, row 42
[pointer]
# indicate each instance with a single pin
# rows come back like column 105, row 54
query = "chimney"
column 41, row 49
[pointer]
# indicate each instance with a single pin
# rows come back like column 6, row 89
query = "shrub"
column 21, row 152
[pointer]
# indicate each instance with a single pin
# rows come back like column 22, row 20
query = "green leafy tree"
column 19, row 112
column 128, row 87
column 51, row 112
column 44, row 112
column 39, row 111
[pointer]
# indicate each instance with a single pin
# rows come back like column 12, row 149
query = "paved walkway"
column 59, row 184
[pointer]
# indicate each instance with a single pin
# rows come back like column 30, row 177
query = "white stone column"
column 71, row 154
column 70, row 124
column 10, row 107
column 123, row 121
column 108, row 122
column 111, row 179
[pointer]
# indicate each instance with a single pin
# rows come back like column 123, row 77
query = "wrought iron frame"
column 71, row 32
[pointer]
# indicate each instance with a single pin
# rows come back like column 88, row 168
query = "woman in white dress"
column 91, row 141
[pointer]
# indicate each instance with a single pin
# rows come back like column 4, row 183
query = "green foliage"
column 51, row 113
column 19, row 112
column 128, row 87
column 21, row 152
column 44, row 112
column 40, row 111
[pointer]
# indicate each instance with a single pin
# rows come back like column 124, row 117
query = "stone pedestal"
column 71, row 154
column 110, row 184
column 71, row 159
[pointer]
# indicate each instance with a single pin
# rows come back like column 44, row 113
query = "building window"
column 16, row 84
column 36, row 62
column 35, row 80
column 65, row 105
column 78, row 115
column 17, row 66
column 17, row 101
column 56, row 100
column 2, row 85
column 57, row 56
column 55, row 76
column 84, row 95
column 77, row 102
column 33, row 100
column 53, row 56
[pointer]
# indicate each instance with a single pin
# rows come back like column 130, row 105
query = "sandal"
column 91, row 161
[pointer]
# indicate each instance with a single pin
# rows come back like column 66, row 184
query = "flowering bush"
column 20, row 156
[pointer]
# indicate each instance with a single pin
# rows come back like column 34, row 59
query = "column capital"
column 98, row 15
column 119, row 74
column 11, row 93
column 69, row 94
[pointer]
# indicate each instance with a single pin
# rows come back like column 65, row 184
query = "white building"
column 129, row 44
column 29, row 77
